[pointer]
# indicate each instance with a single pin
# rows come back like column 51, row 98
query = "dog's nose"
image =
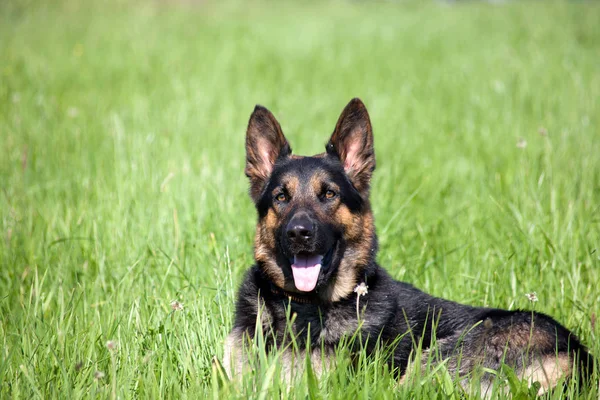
column 300, row 228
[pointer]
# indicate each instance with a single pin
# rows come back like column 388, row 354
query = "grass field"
column 122, row 185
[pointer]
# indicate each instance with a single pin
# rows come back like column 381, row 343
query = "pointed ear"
column 265, row 144
column 352, row 144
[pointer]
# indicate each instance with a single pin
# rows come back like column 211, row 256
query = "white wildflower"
column 176, row 306
column 361, row 289
column 532, row 297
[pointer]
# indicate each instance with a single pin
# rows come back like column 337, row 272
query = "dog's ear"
column 265, row 144
column 352, row 144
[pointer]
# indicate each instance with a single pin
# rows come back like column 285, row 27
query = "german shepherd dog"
column 315, row 249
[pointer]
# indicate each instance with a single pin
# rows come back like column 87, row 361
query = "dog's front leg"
column 233, row 356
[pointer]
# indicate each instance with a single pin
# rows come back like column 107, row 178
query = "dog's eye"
column 281, row 197
column 330, row 194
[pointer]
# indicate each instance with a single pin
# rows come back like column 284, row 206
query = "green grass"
column 122, row 185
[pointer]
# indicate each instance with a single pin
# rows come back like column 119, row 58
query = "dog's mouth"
column 306, row 268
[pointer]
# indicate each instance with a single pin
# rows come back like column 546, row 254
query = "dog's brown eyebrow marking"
column 320, row 179
column 290, row 182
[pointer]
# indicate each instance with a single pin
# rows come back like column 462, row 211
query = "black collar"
column 296, row 297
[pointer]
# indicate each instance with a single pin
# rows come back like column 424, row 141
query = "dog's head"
column 315, row 232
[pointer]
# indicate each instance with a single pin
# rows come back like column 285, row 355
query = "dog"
column 315, row 249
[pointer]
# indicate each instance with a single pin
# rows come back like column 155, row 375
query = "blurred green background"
column 122, row 152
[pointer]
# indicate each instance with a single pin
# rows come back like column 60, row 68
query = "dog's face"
column 315, row 229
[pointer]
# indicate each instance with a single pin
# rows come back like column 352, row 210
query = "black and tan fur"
column 329, row 193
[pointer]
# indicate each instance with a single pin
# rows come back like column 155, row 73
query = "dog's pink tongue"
column 306, row 270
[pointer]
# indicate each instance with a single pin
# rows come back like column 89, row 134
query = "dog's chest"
column 323, row 324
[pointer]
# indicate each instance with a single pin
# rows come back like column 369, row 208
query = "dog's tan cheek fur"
column 358, row 233
column 353, row 223
column 264, row 248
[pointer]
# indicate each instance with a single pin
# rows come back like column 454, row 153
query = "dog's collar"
column 295, row 297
